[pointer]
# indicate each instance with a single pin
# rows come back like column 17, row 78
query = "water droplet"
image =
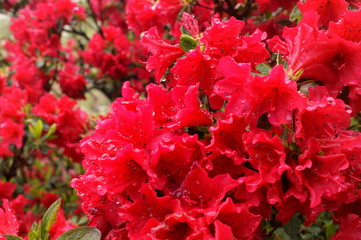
column 348, row 109
column 331, row 101
column 101, row 190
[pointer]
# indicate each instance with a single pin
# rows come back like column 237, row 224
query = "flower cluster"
column 37, row 53
column 16, row 221
column 68, row 122
column 220, row 145
column 235, row 119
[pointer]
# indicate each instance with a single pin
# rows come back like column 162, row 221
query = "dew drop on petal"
column 331, row 101
column 101, row 190
column 348, row 109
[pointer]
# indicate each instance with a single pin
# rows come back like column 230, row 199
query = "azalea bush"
column 229, row 119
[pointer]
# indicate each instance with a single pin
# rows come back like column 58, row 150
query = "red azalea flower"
column 348, row 27
column 109, row 53
column 8, row 221
column 350, row 228
column 70, row 122
column 175, row 226
column 7, row 190
column 71, row 83
column 142, row 15
column 173, row 160
column 139, row 214
column 328, row 10
column 319, row 174
column 252, row 49
column 227, row 137
column 235, row 79
column 190, row 24
column 182, row 107
column 275, row 95
column 238, row 218
column 322, row 119
column 163, row 54
column 190, row 113
column 222, row 37
column 199, row 189
column 272, row 5
column 335, row 66
column 195, row 67
column 267, row 158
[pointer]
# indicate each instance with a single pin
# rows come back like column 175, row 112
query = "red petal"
column 163, row 54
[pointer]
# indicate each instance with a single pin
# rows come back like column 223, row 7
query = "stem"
column 203, row 6
column 95, row 19
column 245, row 10
column 82, row 34
column 230, row 8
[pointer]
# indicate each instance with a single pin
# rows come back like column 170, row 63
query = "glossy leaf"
column 81, row 233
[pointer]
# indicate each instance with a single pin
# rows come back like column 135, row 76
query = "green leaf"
column 185, row 31
column 33, row 235
column 35, row 231
column 280, row 233
column 36, row 129
column 296, row 14
column 51, row 130
column 81, row 233
column 187, row 42
column 293, row 227
column 49, row 218
column 12, row 237
column 279, row 59
column 264, row 68
column 330, row 229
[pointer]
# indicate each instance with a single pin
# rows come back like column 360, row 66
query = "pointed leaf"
column 50, row 217
column 293, row 227
column 296, row 14
column 187, row 42
column 12, row 237
column 36, row 129
column 33, row 235
column 81, row 233
column 51, row 130
column 264, row 68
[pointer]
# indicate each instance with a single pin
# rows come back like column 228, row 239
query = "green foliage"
column 264, row 68
column 81, row 233
column 50, row 215
column 293, row 227
column 36, row 129
column 187, row 42
column 322, row 229
column 40, row 230
column 12, row 237
column 296, row 15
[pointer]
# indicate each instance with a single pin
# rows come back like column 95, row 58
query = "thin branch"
column 230, row 8
column 82, row 34
column 203, row 6
column 245, row 10
column 95, row 18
